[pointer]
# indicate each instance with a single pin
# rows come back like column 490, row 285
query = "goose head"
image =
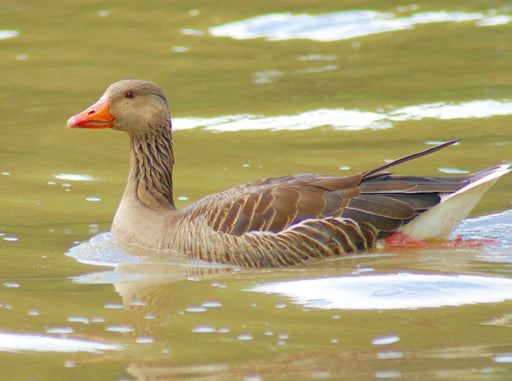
column 134, row 106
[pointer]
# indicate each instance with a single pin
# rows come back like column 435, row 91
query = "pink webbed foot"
column 470, row 242
column 402, row 240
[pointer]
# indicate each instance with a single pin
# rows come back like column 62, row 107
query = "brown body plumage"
column 272, row 222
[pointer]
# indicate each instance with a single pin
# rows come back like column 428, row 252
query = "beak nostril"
column 91, row 112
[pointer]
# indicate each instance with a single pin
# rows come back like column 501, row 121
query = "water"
column 307, row 87
column 347, row 24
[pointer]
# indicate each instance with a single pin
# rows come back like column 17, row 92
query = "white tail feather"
column 440, row 221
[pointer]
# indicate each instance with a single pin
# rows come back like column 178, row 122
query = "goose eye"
column 129, row 95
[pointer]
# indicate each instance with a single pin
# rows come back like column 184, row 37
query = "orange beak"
column 96, row 116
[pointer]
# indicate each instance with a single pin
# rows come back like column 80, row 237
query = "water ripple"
column 15, row 342
column 7, row 34
column 348, row 120
column 343, row 25
column 411, row 291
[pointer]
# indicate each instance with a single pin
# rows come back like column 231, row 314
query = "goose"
column 272, row 222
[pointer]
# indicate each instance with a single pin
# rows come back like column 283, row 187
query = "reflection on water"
column 339, row 119
column 441, row 110
column 74, row 177
column 496, row 227
column 17, row 342
column 343, row 25
column 348, row 120
column 101, row 250
column 7, row 34
column 392, row 291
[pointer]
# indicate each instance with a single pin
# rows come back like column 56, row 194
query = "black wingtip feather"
column 404, row 159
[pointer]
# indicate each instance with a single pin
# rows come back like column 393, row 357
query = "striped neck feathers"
column 151, row 164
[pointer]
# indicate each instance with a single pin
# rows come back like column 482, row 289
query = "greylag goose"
column 276, row 221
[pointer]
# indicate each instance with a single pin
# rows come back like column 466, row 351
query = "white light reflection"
column 17, row 342
column 441, row 110
column 392, row 291
column 342, row 119
column 342, row 25
column 73, row 177
column 337, row 118
column 7, row 34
